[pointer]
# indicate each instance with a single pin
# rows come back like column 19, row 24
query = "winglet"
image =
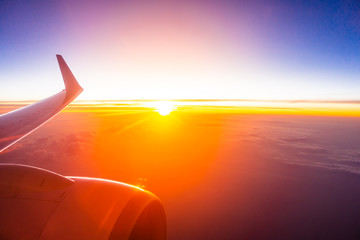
column 72, row 87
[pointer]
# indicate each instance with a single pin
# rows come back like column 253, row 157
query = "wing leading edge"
column 17, row 124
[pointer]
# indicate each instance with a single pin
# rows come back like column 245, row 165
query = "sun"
column 163, row 107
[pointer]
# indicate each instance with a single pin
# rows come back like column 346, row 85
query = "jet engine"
column 39, row 204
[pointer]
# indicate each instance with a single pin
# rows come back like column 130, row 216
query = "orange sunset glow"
column 162, row 107
column 196, row 154
column 183, row 119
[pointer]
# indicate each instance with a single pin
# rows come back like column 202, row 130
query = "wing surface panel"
column 17, row 124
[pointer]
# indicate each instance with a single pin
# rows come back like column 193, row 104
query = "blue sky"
column 182, row 49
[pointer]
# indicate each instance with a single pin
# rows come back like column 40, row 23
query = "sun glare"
column 163, row 107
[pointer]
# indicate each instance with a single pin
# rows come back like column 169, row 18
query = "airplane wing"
column 21, row 122
column 38, row 204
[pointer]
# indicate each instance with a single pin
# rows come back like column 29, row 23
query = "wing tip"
column 72, row 87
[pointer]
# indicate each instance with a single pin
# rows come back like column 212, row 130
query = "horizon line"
column 351, row 101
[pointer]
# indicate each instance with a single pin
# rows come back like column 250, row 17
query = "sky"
column 283, row 50
column 272, row 171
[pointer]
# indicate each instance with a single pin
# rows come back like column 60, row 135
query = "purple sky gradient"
column 182, row 49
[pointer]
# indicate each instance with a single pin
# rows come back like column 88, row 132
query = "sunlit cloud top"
column 182, row 49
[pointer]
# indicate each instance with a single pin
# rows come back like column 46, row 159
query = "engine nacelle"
column 39, row 204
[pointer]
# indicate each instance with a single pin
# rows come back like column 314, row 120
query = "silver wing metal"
column 17, row 124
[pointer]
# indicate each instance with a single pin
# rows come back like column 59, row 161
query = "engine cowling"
column 39, row 204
